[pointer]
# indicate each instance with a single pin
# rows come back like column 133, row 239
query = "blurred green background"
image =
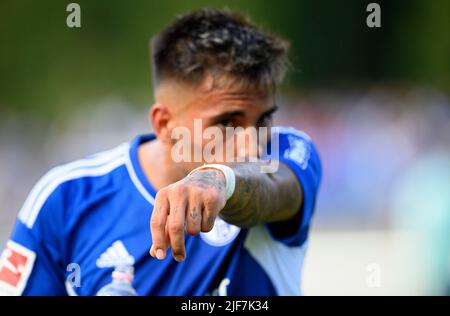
column 47, row 68
column 375, row 101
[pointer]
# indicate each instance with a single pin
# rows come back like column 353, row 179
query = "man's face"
column 218, row 110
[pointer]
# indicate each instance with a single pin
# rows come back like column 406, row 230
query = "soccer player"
column 135, row 220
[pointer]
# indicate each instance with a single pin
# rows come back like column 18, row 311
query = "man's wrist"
column 227, row 172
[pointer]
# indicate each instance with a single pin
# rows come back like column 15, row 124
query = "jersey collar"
column 135, row 169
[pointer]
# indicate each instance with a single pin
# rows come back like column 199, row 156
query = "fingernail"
column 151, row 251
column 179, row 258
column 160, row 254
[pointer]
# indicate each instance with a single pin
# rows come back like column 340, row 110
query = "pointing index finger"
column 158, row 226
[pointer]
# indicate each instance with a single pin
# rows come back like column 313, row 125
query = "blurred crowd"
column 369, row 140
column 386, row 161
column 385, row 155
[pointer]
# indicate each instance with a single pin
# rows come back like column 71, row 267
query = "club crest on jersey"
column 16, row 263
column 298, row 151
column 221, row 234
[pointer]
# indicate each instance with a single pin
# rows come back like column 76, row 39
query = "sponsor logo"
column 115, row 256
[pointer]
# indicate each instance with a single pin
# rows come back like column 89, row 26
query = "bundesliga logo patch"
column 16, row 263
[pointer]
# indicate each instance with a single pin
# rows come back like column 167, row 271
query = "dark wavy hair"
column 220, row 42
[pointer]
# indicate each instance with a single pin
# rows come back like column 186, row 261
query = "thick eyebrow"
column 238, row 113
column 270, row 111
column 227, row 115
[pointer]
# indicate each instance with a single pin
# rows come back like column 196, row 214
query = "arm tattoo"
column 206, row 179
column 262, row 197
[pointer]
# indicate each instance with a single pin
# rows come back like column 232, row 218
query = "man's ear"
column 159, row 117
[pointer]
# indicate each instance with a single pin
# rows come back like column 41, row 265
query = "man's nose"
column 246, row 144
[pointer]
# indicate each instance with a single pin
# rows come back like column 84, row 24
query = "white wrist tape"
column 230, row 177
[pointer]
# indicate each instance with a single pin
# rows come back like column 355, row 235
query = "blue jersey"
column 82, row 218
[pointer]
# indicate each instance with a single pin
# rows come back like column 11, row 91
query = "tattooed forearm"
column 262, row 197
column 193, row 203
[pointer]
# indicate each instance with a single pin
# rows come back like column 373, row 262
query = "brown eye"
column 264, row 121
column 225, row 123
